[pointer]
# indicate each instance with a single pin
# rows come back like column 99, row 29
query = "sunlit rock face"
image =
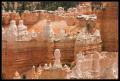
column 23, row 34
column 17, row 75
column 90, row 38
column 48, row 31
column 85, row 40
column 59, row 30
column 81, row 69
column 69, row 35
column 12, row 31
column 115, row 70
column 60, row 11
column 34, row 34
column 3, row 31
column 62, row 34
column 72, row 12
column 4, row 34
column 87, row 66
column 57, row 62
column 15, row 16
column 84, row 8
column 7, row 17
column 29, row 18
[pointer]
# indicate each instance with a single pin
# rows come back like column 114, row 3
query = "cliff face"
column 109, row 27
column 107, row 22
column 22, row 55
